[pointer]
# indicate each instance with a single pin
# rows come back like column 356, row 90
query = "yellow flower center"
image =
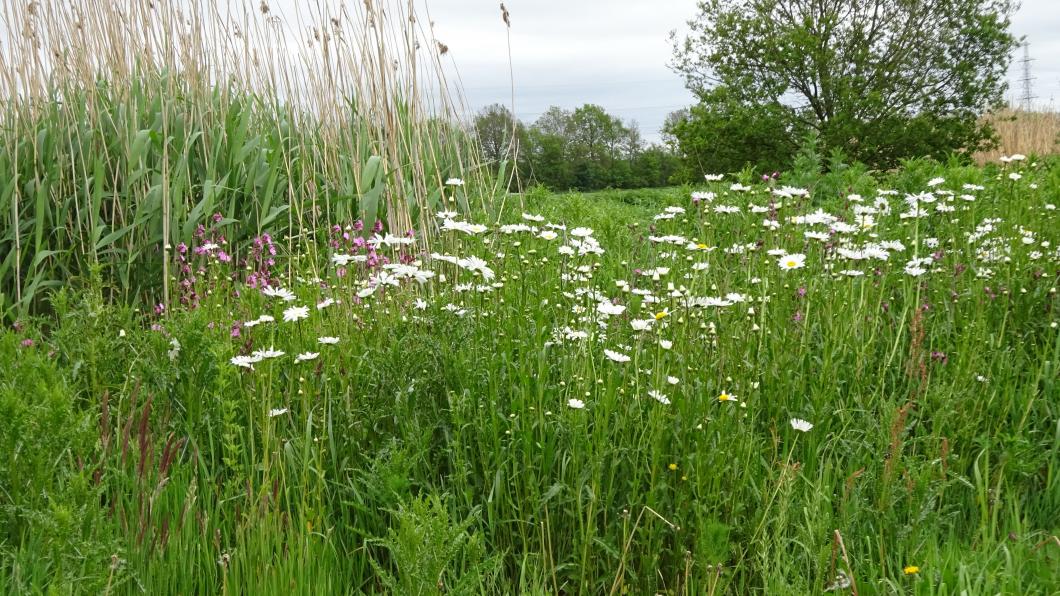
column 660, row 315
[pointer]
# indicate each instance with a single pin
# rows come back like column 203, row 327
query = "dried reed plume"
column 126, row 124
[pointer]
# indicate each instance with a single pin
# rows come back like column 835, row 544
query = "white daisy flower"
column 296, row 313
column 282, row 294
column 794, row 261
column 306, row 356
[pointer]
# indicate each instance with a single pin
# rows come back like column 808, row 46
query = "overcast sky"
column 615, row 53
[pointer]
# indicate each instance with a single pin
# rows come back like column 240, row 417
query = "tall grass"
column 126, row 124
column 479, row 431
column 1027, row 132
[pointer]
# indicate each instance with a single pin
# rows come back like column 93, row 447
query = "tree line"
column 581, row 149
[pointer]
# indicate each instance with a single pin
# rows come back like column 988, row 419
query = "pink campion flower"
column 217, row 217
column 236, row 330
column 801, row 292
column 939, row 357
column 797, row 317
column 358, row 225
column 378, row 227
column 160, row 308
column 26, row 343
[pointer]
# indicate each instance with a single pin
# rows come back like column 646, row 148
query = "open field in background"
column 1023, row 132
column 729, row 389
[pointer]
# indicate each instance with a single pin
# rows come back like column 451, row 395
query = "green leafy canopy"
column 880, row 79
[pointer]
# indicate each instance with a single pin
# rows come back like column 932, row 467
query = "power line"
column 1027, row 99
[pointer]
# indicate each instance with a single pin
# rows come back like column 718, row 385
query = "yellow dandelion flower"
column 672, row 467
column 661, row 315
column 911, row 570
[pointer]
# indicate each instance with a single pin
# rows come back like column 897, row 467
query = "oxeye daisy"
column 616, row 356
column 794, row 261
column 296, row 313
column 575, row 403
column 269, row 353
column 245, row 361
column 659, row 397
column 306, row 356
column 328, row 341
column 282, row 294
column 726, row 396
column 801, row 425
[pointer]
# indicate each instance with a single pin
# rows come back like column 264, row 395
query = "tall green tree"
column 879, row 79
column 502, row 138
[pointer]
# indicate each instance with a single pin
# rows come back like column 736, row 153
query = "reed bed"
column 127, row 124
column 1027, row 132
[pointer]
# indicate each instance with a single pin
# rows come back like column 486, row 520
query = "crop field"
column 734, row 388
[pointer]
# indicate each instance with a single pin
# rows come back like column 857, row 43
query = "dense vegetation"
column 880, row 80
column 740, row 387
column 114, row 159
column 315, row 346
column 583, row 149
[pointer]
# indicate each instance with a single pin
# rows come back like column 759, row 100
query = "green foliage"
column 880, row 80
column 49, row 500
column 434, row 450
column 584, row 149
column 431, row 554
column 721, row 134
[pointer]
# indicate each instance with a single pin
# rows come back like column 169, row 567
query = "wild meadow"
column 271, row 326
column 735, row 388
